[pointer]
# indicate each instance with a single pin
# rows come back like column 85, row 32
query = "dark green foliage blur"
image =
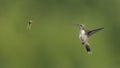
column 52, row 41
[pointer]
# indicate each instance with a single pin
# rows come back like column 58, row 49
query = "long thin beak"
column 77, row 24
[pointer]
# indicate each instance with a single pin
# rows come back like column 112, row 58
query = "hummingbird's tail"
column 88, row 49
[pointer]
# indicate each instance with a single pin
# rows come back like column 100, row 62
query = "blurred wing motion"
column 91, row 32
column 29, row 25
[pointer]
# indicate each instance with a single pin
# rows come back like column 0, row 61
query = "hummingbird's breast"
column 83, row 35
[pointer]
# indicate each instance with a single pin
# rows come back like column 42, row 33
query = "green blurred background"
column 53, row 39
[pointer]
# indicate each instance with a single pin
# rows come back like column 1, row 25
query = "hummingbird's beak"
column 77, row 24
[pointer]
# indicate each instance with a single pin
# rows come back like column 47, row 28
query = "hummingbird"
column 84, row 36
column 29, row 25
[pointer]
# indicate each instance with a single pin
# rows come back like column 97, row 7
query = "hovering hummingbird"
column 29, row 24
column 85, row 34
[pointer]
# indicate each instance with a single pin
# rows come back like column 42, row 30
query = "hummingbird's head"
column 30, row 21
column 82, row 26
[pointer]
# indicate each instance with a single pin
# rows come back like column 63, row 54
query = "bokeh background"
column 53, row 39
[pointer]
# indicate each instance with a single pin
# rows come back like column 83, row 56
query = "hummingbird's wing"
column 91, row 32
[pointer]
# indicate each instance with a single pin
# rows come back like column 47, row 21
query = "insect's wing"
column 91, row 32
